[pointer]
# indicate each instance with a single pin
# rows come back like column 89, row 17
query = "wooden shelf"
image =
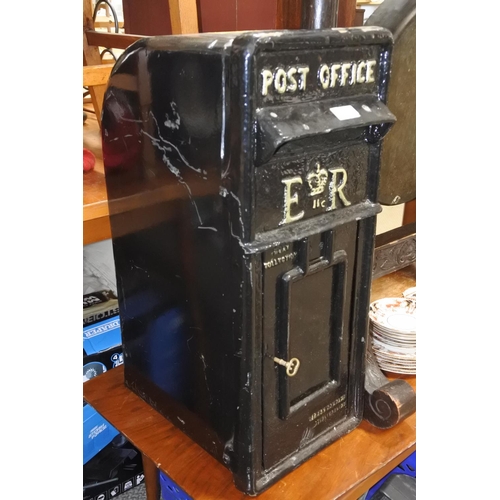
column 95, row 200
column 141, row 195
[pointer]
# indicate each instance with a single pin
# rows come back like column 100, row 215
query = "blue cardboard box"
column 111, row 464
column 97, row 433
column 102, row 351
column 102, row 336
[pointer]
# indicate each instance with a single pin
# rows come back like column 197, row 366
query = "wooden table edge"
column 353, row 492
column 361, row 487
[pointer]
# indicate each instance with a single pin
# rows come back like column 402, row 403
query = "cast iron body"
column 242, row 178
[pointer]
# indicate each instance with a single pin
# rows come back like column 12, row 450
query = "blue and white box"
column 102, row 351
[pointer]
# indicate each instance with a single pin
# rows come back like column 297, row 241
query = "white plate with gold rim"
column 410, row 293
column 395, row 314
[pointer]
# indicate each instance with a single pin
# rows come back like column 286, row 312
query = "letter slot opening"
column 306, row 124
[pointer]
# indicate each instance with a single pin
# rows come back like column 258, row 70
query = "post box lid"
column 281, row 124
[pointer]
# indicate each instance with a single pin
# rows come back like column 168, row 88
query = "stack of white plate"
column 393, row 325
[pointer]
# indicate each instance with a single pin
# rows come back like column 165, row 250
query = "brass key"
column 292, row 366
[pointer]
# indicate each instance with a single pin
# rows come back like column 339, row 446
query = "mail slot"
column 242, row 173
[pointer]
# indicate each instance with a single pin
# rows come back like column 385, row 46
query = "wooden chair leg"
column 152, row 478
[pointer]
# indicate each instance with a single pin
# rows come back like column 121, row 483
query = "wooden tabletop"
column 343, row 470
column 95, row 199
column 96, row 222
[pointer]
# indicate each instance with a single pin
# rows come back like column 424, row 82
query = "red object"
column 88, row 160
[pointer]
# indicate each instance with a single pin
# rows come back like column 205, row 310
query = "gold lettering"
column 293, row 78
column 352, row 81
column 280, row 80
column 344, row 74
column 326, row 412
column 334, row 74
column 319, row 204
column 267, row 79
column 370, row 71
column 303, row 70
column 292, row 86
column 360, row 77
column 291, row 200
column 280, row 260
column 338, row 189
column 324, row 75
column 281, row 249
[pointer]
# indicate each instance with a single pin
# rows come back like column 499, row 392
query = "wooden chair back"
column 184, row 19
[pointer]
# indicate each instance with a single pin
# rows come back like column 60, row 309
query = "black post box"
column 242, row 173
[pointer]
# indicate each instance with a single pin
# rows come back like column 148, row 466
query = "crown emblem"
column 317, row 180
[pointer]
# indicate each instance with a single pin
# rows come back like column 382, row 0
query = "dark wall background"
column 152, row 17
column 146, row 17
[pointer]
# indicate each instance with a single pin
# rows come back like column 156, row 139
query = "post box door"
column 307, row 288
